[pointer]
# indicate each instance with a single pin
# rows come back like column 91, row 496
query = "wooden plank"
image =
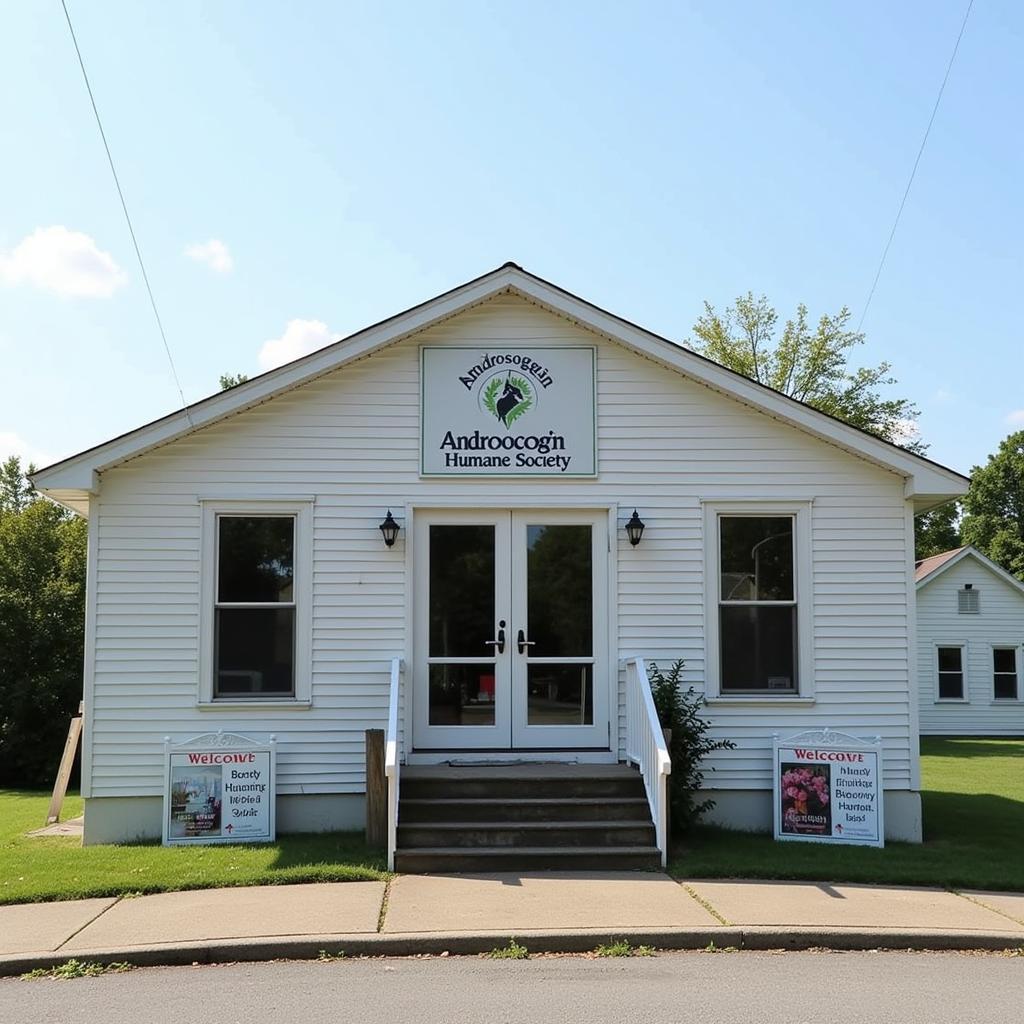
column 67, row 761
column 376, row 790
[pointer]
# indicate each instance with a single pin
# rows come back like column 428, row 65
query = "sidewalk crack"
column 384, row 903
column 92, row 920
column 707, row 906
column 985, row 906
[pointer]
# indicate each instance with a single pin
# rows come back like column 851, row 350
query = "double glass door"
column 511, row 630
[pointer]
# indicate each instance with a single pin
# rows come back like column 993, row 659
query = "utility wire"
column 127, row 217
column 906, row 191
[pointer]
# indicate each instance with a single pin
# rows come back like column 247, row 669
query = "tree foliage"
column 807, row 363
column 231, row 380
column 994, row 506
column 937, row 531
column 42, row 612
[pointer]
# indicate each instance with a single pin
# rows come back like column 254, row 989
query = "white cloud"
column 1015, row 418
column 299, row 339
column 213, row 253
column 943, row 395
column 906, row 431
column 65, row 262
column 14, row 444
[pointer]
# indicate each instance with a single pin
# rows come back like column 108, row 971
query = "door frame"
column 607, row 754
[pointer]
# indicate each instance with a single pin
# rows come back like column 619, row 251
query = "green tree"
column 807, row 363
column 994, row 506
column 937, row 531
column 42, row 612
column 230, row 380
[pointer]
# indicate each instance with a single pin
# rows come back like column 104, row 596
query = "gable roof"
column 72, row 480
column 929, row 569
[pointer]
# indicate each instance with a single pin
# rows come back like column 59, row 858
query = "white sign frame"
column 468, row 381
column 222, row 743
column 828, row 740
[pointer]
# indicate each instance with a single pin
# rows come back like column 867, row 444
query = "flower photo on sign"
column 805, row 794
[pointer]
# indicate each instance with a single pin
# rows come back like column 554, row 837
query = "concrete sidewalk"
column 474, row 913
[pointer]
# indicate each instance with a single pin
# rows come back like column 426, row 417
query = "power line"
column 127, row 217
column 906, row 191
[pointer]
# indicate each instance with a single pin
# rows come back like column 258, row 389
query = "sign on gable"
column 509, row 411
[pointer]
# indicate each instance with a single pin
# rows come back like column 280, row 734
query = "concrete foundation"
column 127, row 819
column 751, row 811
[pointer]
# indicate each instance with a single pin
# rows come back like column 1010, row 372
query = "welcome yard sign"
column 510, row 411
column 828, row 789
column 219, row 788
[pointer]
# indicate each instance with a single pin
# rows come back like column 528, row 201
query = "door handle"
column 499, row 644
column 523, row 643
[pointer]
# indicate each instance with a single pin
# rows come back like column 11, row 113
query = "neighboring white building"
column 970, row 633
column 237, row 577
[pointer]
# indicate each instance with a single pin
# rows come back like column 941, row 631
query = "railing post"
column 376, row 790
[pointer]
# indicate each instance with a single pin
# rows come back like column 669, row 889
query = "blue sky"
column 354, row 159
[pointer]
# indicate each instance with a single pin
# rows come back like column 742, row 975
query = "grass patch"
column 59, row 868
column 973, row 805
column 77, row 969
column 622, row 947
column 513, row 951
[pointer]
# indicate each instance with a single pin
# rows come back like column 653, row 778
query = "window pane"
column 951, row 685
column 462, row 616
column 1004, row 659
column 559, row 591
column 254, row 651
column 461, row 694
column 256, row 558
column 758, row 647
column 1005, row 686
column 560, row 695
column 756, row 558
column 949, row 659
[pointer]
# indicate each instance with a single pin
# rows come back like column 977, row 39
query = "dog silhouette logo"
column 507, row 399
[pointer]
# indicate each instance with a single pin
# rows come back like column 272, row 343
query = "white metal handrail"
column 646, row 748
column 392, row 756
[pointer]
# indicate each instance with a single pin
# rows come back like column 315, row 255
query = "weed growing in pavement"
column 325, row 957
column 78, row 969
column 712, row 948
column 513, row 951
column 622, row 947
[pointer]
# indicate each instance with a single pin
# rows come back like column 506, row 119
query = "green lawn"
column 973, row 797
column 60, row 868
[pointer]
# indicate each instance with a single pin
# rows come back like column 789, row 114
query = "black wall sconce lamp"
column 389, row 530
column 635, row 529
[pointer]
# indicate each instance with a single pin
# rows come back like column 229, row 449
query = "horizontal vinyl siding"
column 351, row 439
column 1000, row 623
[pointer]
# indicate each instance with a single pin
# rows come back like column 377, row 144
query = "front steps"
column 524, row 817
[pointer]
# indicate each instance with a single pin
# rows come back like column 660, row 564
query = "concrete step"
column 498, row 784
column 529, row 834
column 441, row 860
column 473, row 809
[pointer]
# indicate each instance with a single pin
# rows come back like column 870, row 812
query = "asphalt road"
column 674, row 988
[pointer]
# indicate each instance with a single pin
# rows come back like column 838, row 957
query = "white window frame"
column 803, row 594
column 1015, row 699
column 302, row 512
column 964, row 661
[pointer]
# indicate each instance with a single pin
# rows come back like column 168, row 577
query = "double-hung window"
column 256, row 606
column 758, row 586
column 951, row 673
column 1004, row 673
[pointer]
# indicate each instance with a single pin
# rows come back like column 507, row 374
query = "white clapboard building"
column 503, row 435
column 970, row 633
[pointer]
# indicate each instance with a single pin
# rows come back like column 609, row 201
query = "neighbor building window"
column 951, row 673
column 968, row 601
column 1004, row 673
column 254, row 614
column 757, row 604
